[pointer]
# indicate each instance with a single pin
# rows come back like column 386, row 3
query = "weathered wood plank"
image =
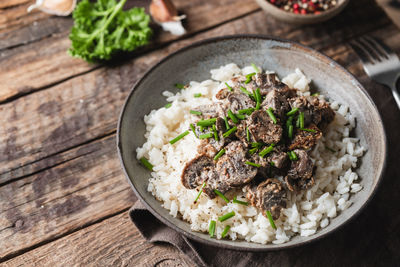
column 112, row 242
column 89, row 104
column 10, row 3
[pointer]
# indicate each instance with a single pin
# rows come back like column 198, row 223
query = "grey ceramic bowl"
column 299, row 18
column 194, row 63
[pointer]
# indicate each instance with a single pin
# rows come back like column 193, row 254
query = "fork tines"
column 371, row 49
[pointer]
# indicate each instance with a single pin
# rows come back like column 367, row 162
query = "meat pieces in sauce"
column 269, row 195
column 299, row 176
column 263, row 129
column 306, row 139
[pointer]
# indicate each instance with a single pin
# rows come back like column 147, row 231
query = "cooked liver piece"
column 300, row 173
column 237, row 101
column 278, row 102
column 268, row 195
column 305, row 139
column 197, row 171
column 263, row 129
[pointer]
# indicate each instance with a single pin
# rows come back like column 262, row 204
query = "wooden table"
column 63, row 196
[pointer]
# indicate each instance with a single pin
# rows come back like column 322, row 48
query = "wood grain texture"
column 39, row 64
column 112, row 242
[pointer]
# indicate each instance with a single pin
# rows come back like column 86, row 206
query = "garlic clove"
column 54, row 7
column 164, row 13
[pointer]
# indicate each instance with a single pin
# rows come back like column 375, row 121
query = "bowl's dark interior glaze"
column 194, row 63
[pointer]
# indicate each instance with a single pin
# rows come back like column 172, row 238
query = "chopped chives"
column 195, row 112
column 271, row 220
column 247, row 111
column 226, row 230
column 211, row 228
column 253, row 150
column 308, row 130
column 226, row 123
column 256, row 144
column 201, row 190
column 240, row 202
column 146, row 163
column 289, row 155
column 248, row 77
column 272, row 164
column 301, row 118
column 215, row 132
column 247, row 134
column 290, row 131
column 201, row 128
column 207, row 122
column 298, row 122
column 289, row 122
column 315, row 94
column 257, row 95
column 230, row 88
column 197, row 95
column 244, row 90
column 293, row 156
column 179, row 86
column 292, row 112
column 226, row 216
column 206, row 136
column 257, row 70
column 266, row 151
column 240, row 116
column 168, row 105
column 229, row 132
column 232, row 116
column 193, row 130
column 179, row 137
column 330, row 149
column 271, row 115
column 219, row 154
column 253, row 164
column 221, row 195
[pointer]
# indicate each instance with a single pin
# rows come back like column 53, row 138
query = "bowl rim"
column 341, row 4
column 277, row 247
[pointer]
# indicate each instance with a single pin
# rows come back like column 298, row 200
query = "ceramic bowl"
column 194, row 62
column 299, row 18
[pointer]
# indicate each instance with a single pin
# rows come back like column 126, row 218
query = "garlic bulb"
column 54, row 7
column 164, row 13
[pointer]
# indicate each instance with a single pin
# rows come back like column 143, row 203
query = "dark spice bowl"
column 194, row 62
column 300, row 18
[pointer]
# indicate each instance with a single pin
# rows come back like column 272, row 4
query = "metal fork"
column 379, row 62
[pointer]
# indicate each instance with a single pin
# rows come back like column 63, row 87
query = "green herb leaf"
column 180, row 86
column 102, row 29
column 168, row 105
column 197, row 95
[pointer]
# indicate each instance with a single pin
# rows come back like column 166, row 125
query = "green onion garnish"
column 201, row 128
column 146, row 163
column 221, row 195
column 256, row 144
column 315, row 94
column 215, row 132
column 253, row 164
column 168, row 105
column 257, row 70
column 219, row 154
column 229, row 132
column 308, row 130
column 211, row 228
column 271, row 220
column 193, row 130
column 292, row 155
column 271, row 115
column 240, row 116
column 247, row 134
column 301, row 118
column 226, row 230
column 232, row 116
column 179, row 137
column 292, row 112
column 230, row 88
column 272, row 164
column 248, row 77
column 257, row 95
column 197, row 95
column 195, row 112
column 298, row 122
column 289, row 122
column 244, row 90
column 247, row 111
column 179, row 86
column 253, row 150
column 206, row 136
column 226, row 123
column 226, row 216
column 330, row 149
column 201, row 190
column 290, row 131
column 266, row 151
column 240, row 202
column 206, row 123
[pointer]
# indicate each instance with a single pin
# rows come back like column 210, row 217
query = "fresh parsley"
column 102, row 29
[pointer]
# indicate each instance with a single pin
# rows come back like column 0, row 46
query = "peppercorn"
column 304, row 6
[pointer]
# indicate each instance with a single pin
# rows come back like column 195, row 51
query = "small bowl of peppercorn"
column 303, row 11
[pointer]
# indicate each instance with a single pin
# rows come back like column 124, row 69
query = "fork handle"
column 395, row 90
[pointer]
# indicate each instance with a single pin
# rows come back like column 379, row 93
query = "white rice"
column 306, row 212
